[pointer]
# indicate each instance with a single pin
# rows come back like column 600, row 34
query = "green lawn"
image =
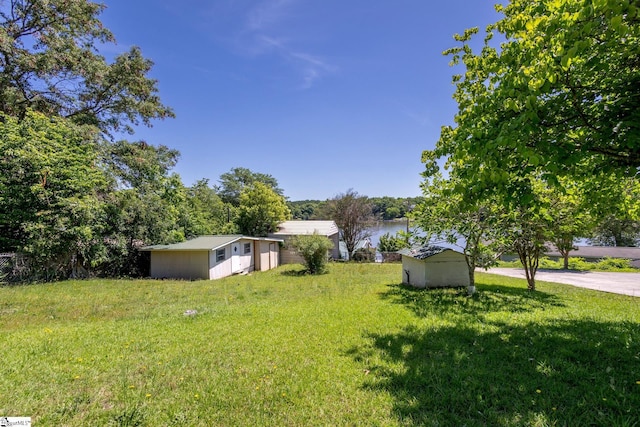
column 351, row 347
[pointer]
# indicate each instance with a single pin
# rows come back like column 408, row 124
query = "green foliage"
column 261, row 210
column 304, row 209
column 314, row 250
column 383, row 208
column 448, row 212
column 388, row 208
column 234, row 182
column 389, row 243
column 73, row 200
column 49, row 63
column 206, row 213
column 613, row 231
column 52, row 194
column 559, row 95
column 580, row 264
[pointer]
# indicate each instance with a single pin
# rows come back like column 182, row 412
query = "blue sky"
column 324, row 95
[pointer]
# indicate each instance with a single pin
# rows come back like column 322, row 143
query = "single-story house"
column 214, row 257
column 289, row 229
column 434, row 267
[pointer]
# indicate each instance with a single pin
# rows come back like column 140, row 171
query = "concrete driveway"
column 619, row 283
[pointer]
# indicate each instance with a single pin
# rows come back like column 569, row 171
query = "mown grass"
column 351, row 347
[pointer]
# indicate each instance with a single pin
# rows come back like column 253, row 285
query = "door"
column 236, row 265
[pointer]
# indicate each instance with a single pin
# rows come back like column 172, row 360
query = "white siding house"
column 434, row 267
column 213, row 257
column 289, row 229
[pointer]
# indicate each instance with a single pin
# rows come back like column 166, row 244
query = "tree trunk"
column 529, row 254
column 471, row 265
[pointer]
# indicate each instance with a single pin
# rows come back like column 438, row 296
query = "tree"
column 51, row 194
column 447, row 212
column 261, row 210
column 527, row 234
column 619, row 221
column 313, row 249
column 232, row 184
column 206, row 213
column 389, row 243
column 614, row 231
column 562, row 92
column 49, row 62
column 571, row 215
column 303, row 209
column 353, row 216
column 73, row 196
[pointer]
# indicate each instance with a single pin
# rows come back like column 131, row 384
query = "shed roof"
column 425, row 252
column 205, row 243
column 296, row 228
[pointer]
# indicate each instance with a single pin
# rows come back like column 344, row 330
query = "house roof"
column 205, row 243
column 424, row 252
column 296, row 228
column 601, row 252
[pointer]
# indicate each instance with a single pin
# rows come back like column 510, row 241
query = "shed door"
column 235, row 258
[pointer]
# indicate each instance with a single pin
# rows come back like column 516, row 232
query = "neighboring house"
column 289, row 229
column 596, row 253
column 213, row 257
column 434, row 267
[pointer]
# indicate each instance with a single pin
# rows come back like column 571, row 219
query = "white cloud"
column 263, row 34
column 267, row 14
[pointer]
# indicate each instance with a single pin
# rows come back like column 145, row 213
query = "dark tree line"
column 382, row 208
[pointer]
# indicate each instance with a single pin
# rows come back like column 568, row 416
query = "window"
column 220, row 255
column 247, row 248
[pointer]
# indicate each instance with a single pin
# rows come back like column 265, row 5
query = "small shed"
column 434, row 267
column 213, row 257
column 289, row 229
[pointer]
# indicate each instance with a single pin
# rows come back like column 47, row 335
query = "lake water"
column 383, row 227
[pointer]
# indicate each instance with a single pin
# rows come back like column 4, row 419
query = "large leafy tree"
column 233, row 183
column 51, row 66
column 51, row 194
column 560, row 94
column 49, row 62
column 146, row 205
column 619, row 221
column 206, row 213
column 261, row 210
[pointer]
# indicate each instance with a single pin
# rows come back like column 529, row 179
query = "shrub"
column 313, row 249
column 389, row 243
column 613, row 264
column 364, row 255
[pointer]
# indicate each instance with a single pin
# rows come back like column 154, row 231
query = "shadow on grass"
column 466, row 371
column 491, row 298
column 301, row 272
column 295, row 273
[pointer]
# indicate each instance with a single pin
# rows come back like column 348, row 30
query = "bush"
column 313, row 249
column 364, row 255
column 389, row 243
column 578, row 264
column 614, row 264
